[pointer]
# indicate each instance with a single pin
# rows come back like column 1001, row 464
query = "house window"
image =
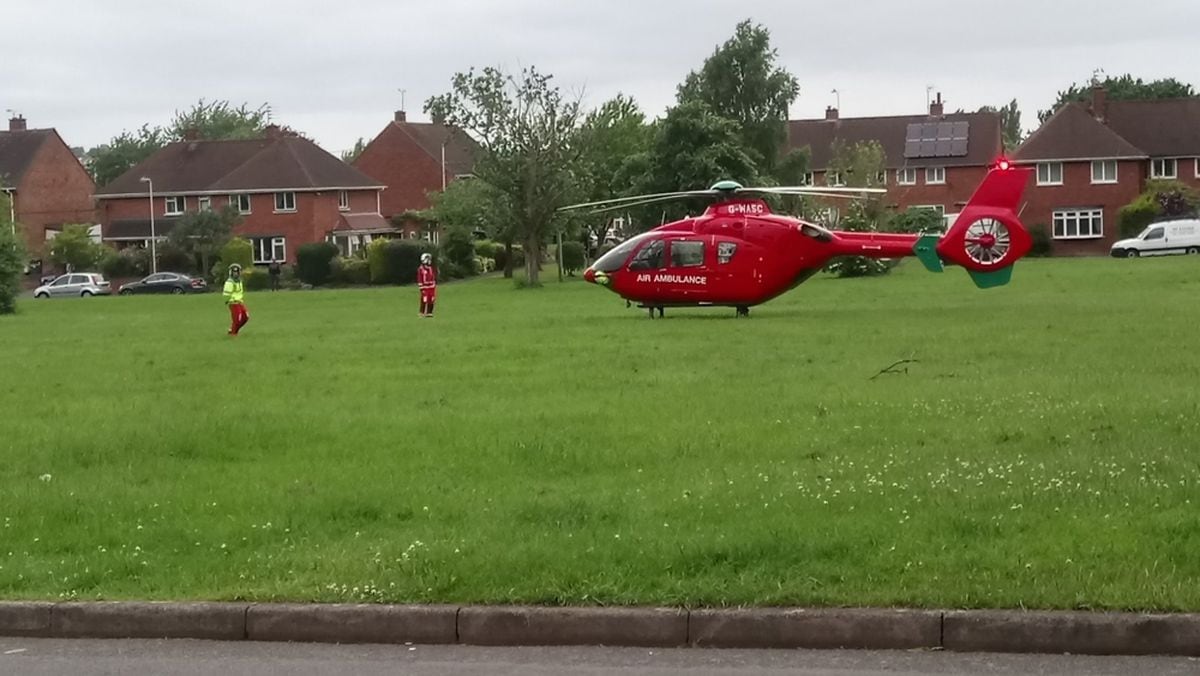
column 906, row 176
column 1104, row 171
column 881, row 178
column 935, row 175
column 1198, row 167
column 809, row 179
column 242, row 202
column 204, row 203
column 412, row 234
column 1164, row 169
column 175, row 205
column 267, row 249
column 1050, row 173
column 835, row 179
column 343, row 200
column 285, row 201
column 1078, row 223
column 939, row 208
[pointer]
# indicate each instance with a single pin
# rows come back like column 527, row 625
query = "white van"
column 1160, row 239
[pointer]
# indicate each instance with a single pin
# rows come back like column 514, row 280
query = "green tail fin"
column 926, row 251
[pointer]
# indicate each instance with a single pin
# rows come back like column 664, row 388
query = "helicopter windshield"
column 613, row 260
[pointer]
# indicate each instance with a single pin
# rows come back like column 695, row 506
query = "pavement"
column 181, row 657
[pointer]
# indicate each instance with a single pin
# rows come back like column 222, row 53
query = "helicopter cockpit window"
column 614, row 259
column 687, row 254
column 725, row 251
column 649, row 258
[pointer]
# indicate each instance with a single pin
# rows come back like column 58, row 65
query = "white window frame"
column 1198, row 167
column 1094, row 215
column 935, row 176
column 1104, row 177
column 834, row 179
column 1048, row 177
column 274, row 246
column 285, row 209
column 939, row 208
column 881, row 178
column 236, row 201
column 343, row 200
column 204, row 203
column 1156, row 175
column 903, row 176
column 174, row 205
column 809, row 178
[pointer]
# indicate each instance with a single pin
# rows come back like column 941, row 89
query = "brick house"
column 288, row 191
column 1094, row 158
column 414, row 159
column 934, row 161
column 48, row 186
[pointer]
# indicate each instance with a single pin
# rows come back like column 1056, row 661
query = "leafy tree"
column 860, row 165
column 349, row 156
column 692, row 148
column 525, row 129
column 459, row 248
column 12, row 260
column 236, row 250
column 917, row 220
column 741, row 82
column 1122, row 88
column 74, row 248
column 314, row 262
column 1160, row 200
column 213, row 121
column 467, row 204
column 572, row 257
column 608, row 138
column 201, row 234
column 1010, row 124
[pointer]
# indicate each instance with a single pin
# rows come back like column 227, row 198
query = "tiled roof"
column 1073, row 134
column 460, row 148
column 139, row 228
column 1164, row 127
column 983, row 146
column 285, row 162
column 17, row 150
column 363, row 223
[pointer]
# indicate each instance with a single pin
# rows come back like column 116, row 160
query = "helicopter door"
column 688, row 273
column 647, row 268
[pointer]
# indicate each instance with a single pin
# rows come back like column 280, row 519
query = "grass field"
column 552, row 446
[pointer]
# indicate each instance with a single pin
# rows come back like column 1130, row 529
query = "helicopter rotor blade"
column 655, row 200
column 626, row 201
column 805, row 190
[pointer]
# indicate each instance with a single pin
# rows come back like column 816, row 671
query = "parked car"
column 1160, row 239
column 83, row 284
column 165, row 282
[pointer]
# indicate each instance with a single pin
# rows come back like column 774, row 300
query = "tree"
column 459, row 249
column 467, row 204
column 209, row 121
column 12, row 259
column 1010, row 124
column 349, row 156
column 74, row 248
column 860, row 165
column 524, row 128
column 1123, row 88
column 741, row 82
column 201, row 234
column 692, row 148
column 1160, row 200
column 608, row 138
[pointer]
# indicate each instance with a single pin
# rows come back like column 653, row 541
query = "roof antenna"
column 1096, row 76
column 838, row 98
column 402, row 93
column 928, row 90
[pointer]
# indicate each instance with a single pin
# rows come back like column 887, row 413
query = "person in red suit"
column 427, row 283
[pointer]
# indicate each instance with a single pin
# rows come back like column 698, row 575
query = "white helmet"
column 426, row 259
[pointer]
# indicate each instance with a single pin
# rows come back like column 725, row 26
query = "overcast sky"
column 92, row 68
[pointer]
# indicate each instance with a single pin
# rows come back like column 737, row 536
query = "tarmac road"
column 79, row 657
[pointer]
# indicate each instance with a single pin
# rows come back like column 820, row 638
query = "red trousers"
column 428, row 296
column 239, row 317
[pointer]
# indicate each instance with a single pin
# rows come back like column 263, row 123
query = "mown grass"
column 552, row 446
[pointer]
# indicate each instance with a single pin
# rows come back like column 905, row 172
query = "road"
column 46, row 657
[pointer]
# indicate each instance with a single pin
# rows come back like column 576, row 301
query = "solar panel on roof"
column 936, row 139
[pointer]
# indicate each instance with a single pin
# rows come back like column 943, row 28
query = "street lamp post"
column 153, row 238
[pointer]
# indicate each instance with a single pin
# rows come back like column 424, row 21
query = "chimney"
column 191, row 134
column 831, row 113
column 401, row 116
column 1100, row 103
column 937, row 109
column 16, row 123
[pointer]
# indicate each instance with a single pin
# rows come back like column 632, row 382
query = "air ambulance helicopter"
column 738, row 254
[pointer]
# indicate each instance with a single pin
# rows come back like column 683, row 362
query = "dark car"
column 165, row 282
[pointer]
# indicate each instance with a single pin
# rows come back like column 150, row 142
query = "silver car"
column 83, row 284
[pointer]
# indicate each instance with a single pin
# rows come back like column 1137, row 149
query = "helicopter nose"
column 589, row 275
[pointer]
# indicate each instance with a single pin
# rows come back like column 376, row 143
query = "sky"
column 334, row 70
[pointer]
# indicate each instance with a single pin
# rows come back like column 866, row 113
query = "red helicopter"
column 739, row 254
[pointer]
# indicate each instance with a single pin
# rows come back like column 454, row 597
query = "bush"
column 1135, row 216
column 74, row 247
column 502, row 256
column 254, row 279
column 314, row 262
column 175, row 259
column 237, row 250
column 131, row 262
column 917, row 221
column 486, row 248
column 1041, row 241
column 352, row 271
column 572, row 257
column 395, row 261
column 459, row 249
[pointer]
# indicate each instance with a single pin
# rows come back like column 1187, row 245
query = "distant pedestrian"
column 275, row 271
column 427, row 283
column 235, row 295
